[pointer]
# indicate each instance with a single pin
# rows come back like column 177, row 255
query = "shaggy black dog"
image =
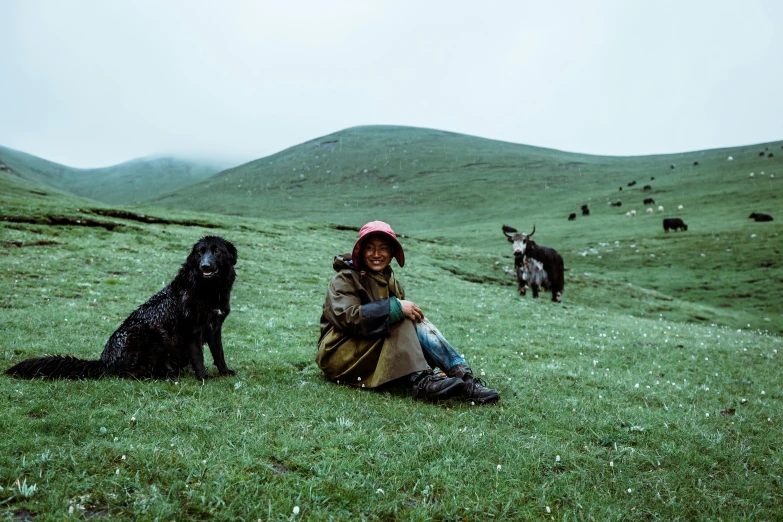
column 166, row 333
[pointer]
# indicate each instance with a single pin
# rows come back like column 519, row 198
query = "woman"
column 371, row 335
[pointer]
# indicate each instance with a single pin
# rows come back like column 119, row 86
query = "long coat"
column 358, row 345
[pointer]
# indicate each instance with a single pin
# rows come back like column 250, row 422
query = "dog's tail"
column 58, row 367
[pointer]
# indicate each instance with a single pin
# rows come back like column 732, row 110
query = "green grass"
column 278, row 435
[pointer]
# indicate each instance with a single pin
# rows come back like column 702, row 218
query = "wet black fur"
column 168, row 332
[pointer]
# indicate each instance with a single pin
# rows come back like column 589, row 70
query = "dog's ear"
column 232, row 252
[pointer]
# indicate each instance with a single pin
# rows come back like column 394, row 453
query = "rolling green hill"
column 458, row 190
column 651, row 392
column 422, row 179
column 127, row 183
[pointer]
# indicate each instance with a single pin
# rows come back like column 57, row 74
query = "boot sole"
column 487, row 400
column 443, row 395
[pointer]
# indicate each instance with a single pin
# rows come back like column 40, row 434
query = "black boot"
column 475, row 389
column 434, row 388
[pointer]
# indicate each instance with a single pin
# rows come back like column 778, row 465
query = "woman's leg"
column 437, row 350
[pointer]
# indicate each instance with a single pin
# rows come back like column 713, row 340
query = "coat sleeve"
column 344, row 310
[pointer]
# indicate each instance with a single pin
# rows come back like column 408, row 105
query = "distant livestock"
column 770, row 155
column 585, row 210
column 679, row 207
column 757, row 216
column 647, row 187
column 660, row 208
column 649, row 210
column 674, row 224
column 632, row 213
column 539, row 267
column 649, row 201
column 671, row 166
column 695, row 163
column 616, row 204
column 632, row 183
column 572, row 216
column 751, row 174
column 761, row 153
column 730, row 158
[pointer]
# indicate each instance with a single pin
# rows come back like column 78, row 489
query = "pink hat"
column 378, row 227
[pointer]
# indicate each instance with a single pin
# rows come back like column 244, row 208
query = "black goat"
column 539, row 266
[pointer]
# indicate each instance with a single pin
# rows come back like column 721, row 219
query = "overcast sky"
column 94, row 83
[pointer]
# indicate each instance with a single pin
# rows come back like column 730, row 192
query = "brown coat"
column 358, row 345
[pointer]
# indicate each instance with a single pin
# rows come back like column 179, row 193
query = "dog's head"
column 212, row 255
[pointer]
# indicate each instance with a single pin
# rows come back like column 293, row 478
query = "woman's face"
column 376, row 253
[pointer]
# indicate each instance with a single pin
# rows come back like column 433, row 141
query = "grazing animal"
column 660, row 208
column 730, row 158
column 572, row 216
column 672, row 166
column 632, row 213
column 649, row 210
column 617, row 204
column 647, row 187
column 168, row 332
column 761, row 153
column 649, row 201
column 632, row 183
column 695, row 163
column 538, row 266
column 674, row 224
column 621, row 188
column 756, row 216
column 585, row 210
column 770, row 155
column 680, row 207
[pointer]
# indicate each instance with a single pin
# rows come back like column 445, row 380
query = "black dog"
column 166, row 333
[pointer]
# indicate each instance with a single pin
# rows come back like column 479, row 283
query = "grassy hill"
column 423, row 179
column 607, row 412
column 458, row 190
column 127, row 183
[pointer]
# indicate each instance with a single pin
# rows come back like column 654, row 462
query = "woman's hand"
column 412, row 311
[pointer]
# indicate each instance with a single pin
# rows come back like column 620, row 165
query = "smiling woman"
column 371, row 335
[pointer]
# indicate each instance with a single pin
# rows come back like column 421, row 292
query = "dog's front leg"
column 196, row 349
column 215, row 341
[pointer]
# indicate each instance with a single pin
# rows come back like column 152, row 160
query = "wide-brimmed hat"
column 378, row 227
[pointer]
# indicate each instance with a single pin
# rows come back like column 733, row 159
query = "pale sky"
column 91, row 83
